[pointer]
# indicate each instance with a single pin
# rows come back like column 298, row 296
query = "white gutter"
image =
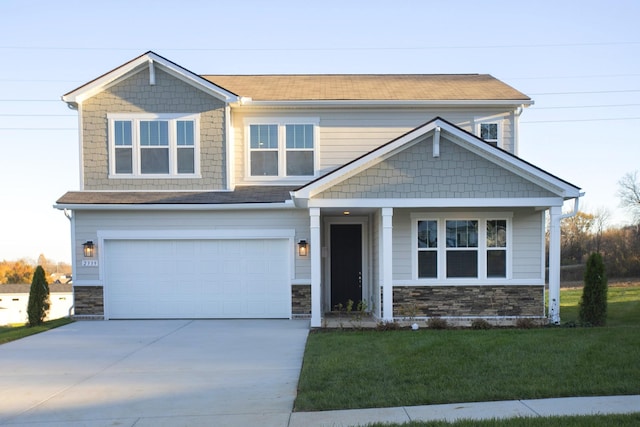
column 576, row 207
column 175, row 207
column 379, row 103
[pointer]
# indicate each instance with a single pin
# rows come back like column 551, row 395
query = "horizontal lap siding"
column 528, row 244
column 88, row 223
column 348, row 134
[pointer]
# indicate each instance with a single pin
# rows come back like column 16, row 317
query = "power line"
column 586, row 92
column 38, row 115
column 332, row 48
column 586, row 106
column 45, row 129
column 582, row 120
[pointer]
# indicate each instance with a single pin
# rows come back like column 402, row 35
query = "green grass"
column 12, row 333
column 363, row 369
column 626, row 420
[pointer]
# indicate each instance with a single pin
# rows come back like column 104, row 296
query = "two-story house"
column 278, row 196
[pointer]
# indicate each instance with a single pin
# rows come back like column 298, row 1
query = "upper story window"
column 281, row 148
column 476, row 248
column 491, row 132
column 153, row 145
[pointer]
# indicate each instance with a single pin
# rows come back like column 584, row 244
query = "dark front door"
column 346, row 264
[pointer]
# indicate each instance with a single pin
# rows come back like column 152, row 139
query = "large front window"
column 473, row 248
column 153, row 145
column 281, row 149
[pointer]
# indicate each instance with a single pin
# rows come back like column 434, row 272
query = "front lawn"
column 12, row 333
column 364, row 369
column 624, row 420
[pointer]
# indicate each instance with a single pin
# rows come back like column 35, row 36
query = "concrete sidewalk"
column 474, row 411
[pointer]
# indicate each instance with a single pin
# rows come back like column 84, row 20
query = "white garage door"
column 154, row 279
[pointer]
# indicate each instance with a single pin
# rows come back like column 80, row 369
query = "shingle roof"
column 245, row 194
column 383, row 87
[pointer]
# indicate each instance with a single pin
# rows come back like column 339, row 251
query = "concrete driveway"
column 154, row 373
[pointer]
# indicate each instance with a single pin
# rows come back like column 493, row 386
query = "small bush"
column 593, row 304
column 388, row 326
column 481, row 324
column 437, row 323
column 526, row 323
column 38, row 305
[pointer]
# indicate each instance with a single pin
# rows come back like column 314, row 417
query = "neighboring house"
column 14, row 300
column 280, row 196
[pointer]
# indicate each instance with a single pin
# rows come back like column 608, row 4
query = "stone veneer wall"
column 88, row 301
column 468, row 301
column 301, row 300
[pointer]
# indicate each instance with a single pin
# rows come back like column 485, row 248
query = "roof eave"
column 173, row 206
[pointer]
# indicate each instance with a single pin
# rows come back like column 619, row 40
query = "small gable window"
column 490, row 132
column 153, row 145
column 281, row 148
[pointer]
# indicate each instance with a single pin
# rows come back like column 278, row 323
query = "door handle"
column 360, row 279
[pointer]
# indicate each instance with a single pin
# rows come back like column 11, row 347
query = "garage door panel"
column 197, row 278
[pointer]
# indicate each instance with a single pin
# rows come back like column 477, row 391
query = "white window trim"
column 281, row 122
column 135, row 118
column 499, row 122
column 442, row 218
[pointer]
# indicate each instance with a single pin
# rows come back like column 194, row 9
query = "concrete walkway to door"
column 154, row 373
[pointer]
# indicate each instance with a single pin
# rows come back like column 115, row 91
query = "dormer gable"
column 150, row 61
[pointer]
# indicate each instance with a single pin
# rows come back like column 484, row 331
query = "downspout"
column 72, row 223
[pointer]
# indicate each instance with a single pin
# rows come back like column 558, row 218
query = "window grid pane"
column 462, row 234
column 263, row 137
column 154, row 133
column 427, row 234
column 489, row 131
column 299, row 136
column 185, row 130
column 122, row 130
column 497, row 233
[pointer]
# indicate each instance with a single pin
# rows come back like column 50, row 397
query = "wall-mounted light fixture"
column 88, row 249
column 303, row 248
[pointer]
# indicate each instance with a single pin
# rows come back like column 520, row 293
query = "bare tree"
column 601, row 218
column 629, row 193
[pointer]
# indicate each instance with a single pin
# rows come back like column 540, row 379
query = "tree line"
column 22, row 270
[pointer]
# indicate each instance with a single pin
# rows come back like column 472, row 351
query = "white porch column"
column 315, row 251
column 555, row 214
column 386, row 262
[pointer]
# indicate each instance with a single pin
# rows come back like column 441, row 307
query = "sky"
column 578, row 60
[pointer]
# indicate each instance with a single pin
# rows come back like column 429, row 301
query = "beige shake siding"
column 168, row 95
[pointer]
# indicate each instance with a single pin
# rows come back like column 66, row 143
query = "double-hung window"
column 153, row 145
column 466, row 248
column 279, row 148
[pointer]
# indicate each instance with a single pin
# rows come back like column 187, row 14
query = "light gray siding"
column 89, row 222
column 415, row 173
column 168, row 95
